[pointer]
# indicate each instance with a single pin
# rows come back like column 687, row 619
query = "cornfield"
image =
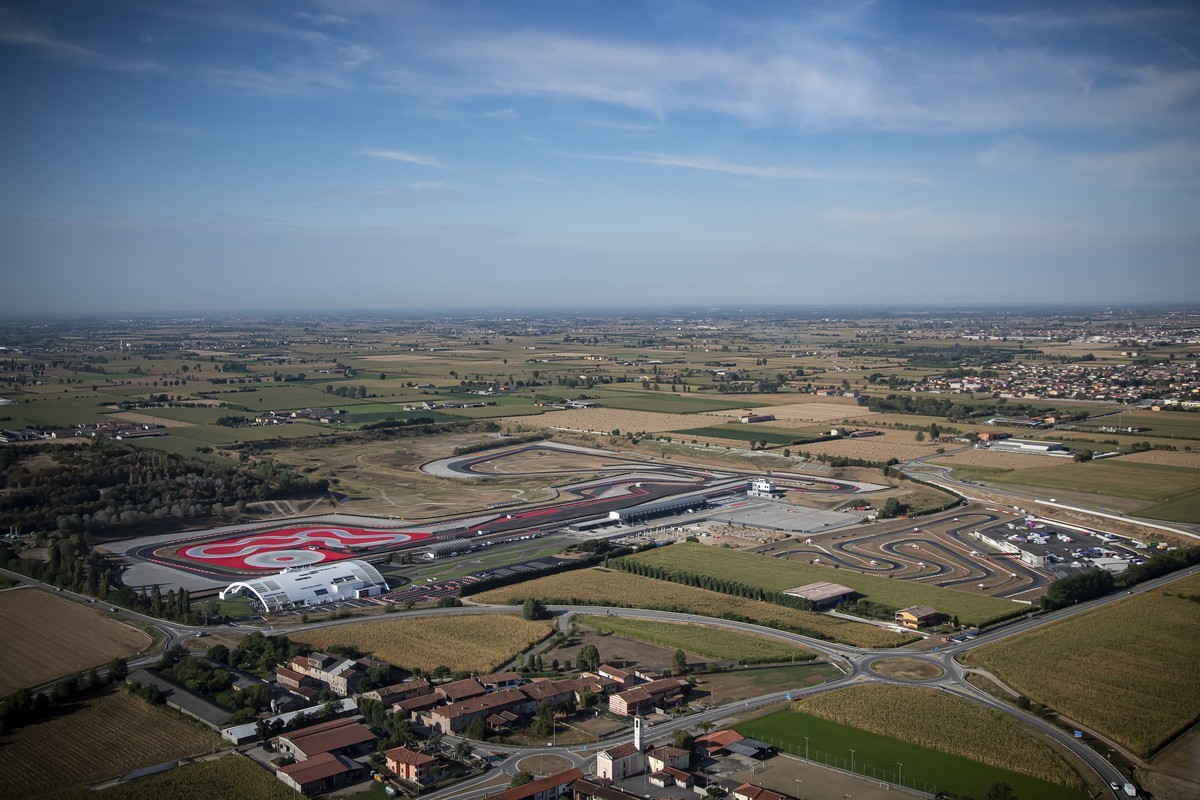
column 467, row 643
column 931, row 719
column 1130, row 670
column 102, row 737
column 606, row 587
column 716, row 643
column 231, row 776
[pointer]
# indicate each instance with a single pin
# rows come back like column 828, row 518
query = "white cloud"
column 768, row 172
column 400, row 155
column 503, row 113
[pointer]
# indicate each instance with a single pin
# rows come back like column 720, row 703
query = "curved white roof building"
column 342, row 580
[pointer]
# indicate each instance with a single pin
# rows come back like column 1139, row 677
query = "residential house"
column 411, row 765
column 917, row 616
column 549, row 788
column 667, row 756
column 750, row 791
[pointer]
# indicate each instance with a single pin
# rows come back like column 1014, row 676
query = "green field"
column 776, row 575
column 1185, row 508
column 877, row 756
column 1170, row 424
column 748, row 433
column 1111, row 476
column 1130, row 670
column 716, row 643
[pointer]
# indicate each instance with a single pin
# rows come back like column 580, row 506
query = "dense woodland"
column 110, row 486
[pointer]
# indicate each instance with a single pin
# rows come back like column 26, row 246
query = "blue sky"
column 175, row 155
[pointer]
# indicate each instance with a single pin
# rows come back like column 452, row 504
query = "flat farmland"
column 999, row 461
column 929, row 718
column 822, row 410
column 46, row 637
column 1111, row 476
column 605, row 420
column 1130, row 670
column 101, row 737
column 752, row 433
column 231, row 776
column 469, row 643
column 892, row 444
column 603, row 587
column 1185, row 508
column 925, row 769
column 665, row 402
column 1171, row 424
column 1170, row 458
column 777, row 575
column 719, row 644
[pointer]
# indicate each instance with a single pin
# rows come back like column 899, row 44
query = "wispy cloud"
column 17, row 32
column 767, row 172
column 405, row 157
column 1161, row 165
column 411, row 195
column 502, row 113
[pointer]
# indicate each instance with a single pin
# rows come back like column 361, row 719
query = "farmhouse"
column 717, row 742
column 822, row 594
column 341, row 675
column 328, row 583
column 666, row 756
column 665, row 692
column 749, row 418
column 916, row 616
column 399, row 692
column 321, row 773
column 339, row 736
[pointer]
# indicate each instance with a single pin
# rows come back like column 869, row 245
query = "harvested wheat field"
column 101, row 737
column 893, row 444
column 824, row 410
column 1171, row 458
column 468, row 643
column 986, row 458
column 146, row 419
column 46, row 637
column 606, row 420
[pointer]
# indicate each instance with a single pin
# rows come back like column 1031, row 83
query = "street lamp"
column 852, row 760
column 798, row 782
column 900, row 780
column 806, row 748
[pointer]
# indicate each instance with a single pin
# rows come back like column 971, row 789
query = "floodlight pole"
column 900, row 780
column 852, row 760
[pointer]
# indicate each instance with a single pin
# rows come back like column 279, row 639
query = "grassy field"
column 470, row 643
column 230, row 776
column 608, row 587
column 747, row 433
column 98, row 738
column 718, row 644
column 932, row 719
column 878, row 755
column 1130, row 670
column 46, row 636
column 1182, row 425
column 775, row 574
column 1157, row 482
column 1185, row 508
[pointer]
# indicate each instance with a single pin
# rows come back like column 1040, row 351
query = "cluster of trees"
column 257, row 653
column 25, row 707
column 201, row 676
column 109, row 485
column 346, row 391
column 1098, row 582
column 234, row 421
column 392, row 422
column 711, row 583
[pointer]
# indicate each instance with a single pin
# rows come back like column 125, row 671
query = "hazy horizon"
column 209, row 157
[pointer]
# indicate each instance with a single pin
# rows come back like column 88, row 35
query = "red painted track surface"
column 291, row 547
